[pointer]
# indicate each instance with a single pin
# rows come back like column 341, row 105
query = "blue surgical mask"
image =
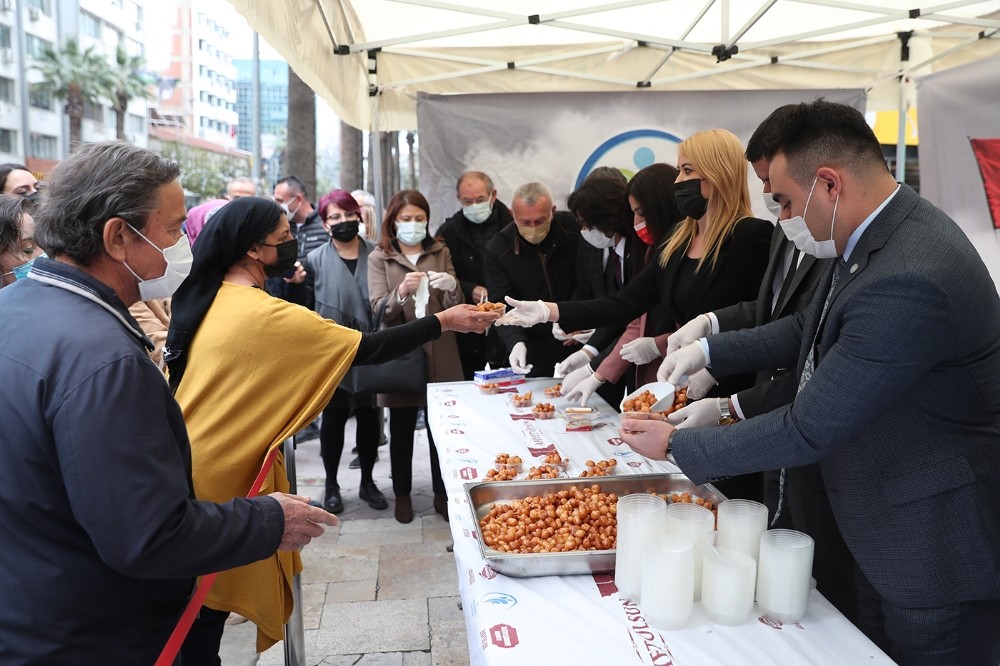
column 20, row 272
column 477, row 213
column 411, row 233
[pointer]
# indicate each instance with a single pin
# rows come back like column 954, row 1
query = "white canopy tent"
column 369, row 58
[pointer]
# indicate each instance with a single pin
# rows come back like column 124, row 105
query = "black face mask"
column 288, row 254
column 689, row 199
column 345, row 231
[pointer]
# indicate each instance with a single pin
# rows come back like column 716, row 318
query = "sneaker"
column 356, row 463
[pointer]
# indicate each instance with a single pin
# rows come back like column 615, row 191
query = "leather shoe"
column 356, row 463
column 441, row 506
column 370, row 493
column 333, row 502
column 404, row 509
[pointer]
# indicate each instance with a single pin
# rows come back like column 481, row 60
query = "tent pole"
column 375, row 136
column 904, row 58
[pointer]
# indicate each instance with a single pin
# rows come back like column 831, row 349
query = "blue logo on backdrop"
column 623, row 454
column 632, row 150
column 499, row 600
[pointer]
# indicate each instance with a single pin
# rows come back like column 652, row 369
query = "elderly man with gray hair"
column 532, row 259
column 102, row 534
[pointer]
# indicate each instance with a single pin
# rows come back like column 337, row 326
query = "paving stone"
column 416, row 570
column 373, row 626
column 352, row 590
column 449, row 645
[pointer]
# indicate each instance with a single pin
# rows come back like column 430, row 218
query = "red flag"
column 987, row 153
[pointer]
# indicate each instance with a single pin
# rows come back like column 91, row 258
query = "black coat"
column 467, row 243
column 546, row 271
column 735, row 277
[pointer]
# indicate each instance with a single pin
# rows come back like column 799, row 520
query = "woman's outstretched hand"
column 466, row 319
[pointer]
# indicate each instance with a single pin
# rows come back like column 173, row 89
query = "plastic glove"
column 699, row 384
column 640, row 351
column 583, row 337
column 524, row 313
column 699, row 414
column 570, row 381
column 572, row 362
column 441, row 280
column 519, row 359
column 558, row 333
column 679, row 366
column 697, row 328
column 584, row 390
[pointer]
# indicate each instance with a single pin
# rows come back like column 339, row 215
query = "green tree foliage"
column 75, row 77
column 203, row 172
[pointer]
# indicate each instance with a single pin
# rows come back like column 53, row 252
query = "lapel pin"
column 854, row 268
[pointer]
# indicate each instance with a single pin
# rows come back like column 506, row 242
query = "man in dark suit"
column 467, row 233
column 898, row 360
column 787, row 288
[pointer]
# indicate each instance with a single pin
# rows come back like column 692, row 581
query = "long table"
column 581, row 619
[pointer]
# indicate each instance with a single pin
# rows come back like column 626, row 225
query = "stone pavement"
column 375, row 592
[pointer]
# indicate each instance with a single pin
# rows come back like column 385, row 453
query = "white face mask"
column 411, row 233
column 796, row 231
column 477, row 213
column 179, row 260
column 362, row 230
column 773, row 207
column 288, row 212
column 597, row 238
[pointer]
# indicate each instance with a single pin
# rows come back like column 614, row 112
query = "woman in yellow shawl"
column 249, row 370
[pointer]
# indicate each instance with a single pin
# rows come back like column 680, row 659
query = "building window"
column 39, row 98
column 90, row 25
column 44, row 146
column 93, row 112
column 6, row 90
column 44, row 6
column 8, row 141
column 4, row 37
column 135, row 124
column 36, row 46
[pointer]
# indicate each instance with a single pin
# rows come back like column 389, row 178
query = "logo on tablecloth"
column 499, row 599
column 774, row 624
column 456, row 431
column 615, row 441
column 635, row 463
column 467, row 473
column 462, row 450
column 449, row 403
column 522, row 417
column 606, row 584
column 625, row 453
column 647, row 641
column 467, row 461
column 488, row 573
column 503, row 635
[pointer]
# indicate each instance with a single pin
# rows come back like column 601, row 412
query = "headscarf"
column 228, row 235
column 198, row 216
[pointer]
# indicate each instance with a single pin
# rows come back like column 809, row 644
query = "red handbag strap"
column 180, row 632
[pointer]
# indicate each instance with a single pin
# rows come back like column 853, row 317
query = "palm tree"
column 301, row 153
column 76, row 77
column 127, row 83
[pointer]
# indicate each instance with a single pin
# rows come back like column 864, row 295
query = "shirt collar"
column 72, row 279
column 856, row 236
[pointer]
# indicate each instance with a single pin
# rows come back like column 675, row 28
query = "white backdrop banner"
column 558, row 138
column 955, row 106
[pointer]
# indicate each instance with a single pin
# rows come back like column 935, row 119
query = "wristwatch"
column 669, row 437
column 727, row 418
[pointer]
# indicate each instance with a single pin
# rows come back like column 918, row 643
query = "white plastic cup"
column 640, row 516
column 784, row 575
column 728, row 582
column 667, row 585
column 696, row 523
column 741, row 523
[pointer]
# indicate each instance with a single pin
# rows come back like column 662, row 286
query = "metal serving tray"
column 482, row 496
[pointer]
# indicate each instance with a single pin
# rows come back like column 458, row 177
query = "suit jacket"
column 775, row 386
column 902, row 411
column 736, row 276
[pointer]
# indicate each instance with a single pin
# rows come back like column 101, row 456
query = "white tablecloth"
column 581, row 619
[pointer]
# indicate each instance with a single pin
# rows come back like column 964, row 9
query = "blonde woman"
column 715, row 257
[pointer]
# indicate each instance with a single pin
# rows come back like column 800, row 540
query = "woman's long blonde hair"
column 718, row 156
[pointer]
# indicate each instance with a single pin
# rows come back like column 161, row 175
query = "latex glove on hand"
column 578, row 358
column 583, row 337
column 699, row 414
column 519, row 359
column 570, row 381
column 441, row 280
column 679, row 366
column 640, row 351
column 584, row 389
column 699, row 384
column 647, row 438
column 696, row 329
column 558, row 333
column 524, row 313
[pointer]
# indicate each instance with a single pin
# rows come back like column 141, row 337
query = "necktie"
column 786, row 285
column 807, row 372
column 616, row 265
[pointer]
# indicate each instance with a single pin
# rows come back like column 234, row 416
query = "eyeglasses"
column 337, row 218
